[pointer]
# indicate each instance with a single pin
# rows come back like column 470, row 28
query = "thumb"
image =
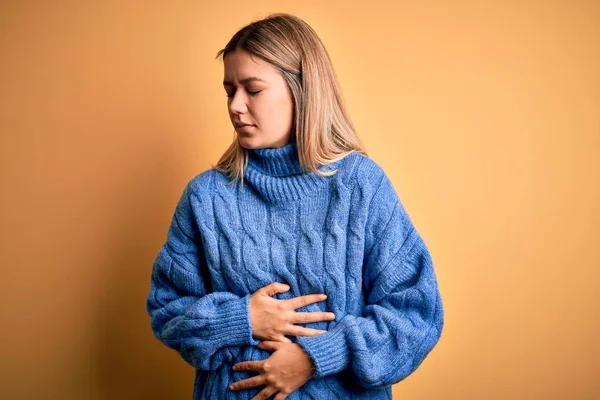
column 284, row 339
column 275, row 287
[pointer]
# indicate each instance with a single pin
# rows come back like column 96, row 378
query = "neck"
column 275, row 173
column 276, row 161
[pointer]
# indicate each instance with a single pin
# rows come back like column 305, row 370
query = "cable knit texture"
column 347, row 235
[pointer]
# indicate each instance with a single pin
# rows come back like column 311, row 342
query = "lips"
column 241, row 124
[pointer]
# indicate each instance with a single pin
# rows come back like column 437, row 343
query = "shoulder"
column 372, row 183
column 202, row 184
column 364, row 171
column 207, row 184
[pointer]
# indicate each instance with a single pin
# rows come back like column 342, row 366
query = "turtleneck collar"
column 275, row 172
column 276, row 161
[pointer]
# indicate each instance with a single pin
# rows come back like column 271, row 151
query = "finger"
column 280, row 396
column 269, row 345
column 249, row 383
column 248, row 366
column 283, row 339
column 301, row 301
column 265, row 393
column 300, row 331
column 271, row 289
column 314, row 316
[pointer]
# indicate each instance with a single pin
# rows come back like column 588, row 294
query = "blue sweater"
column 347, row 236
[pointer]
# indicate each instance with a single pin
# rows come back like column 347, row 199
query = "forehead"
column 239, row 65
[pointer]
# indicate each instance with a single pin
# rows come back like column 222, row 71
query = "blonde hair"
column 322, row 126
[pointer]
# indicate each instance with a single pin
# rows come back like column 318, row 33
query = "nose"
column 237, row 103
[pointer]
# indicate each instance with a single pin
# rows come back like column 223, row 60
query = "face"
column 257, row 96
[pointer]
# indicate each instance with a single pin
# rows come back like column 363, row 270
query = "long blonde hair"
column 323, row 129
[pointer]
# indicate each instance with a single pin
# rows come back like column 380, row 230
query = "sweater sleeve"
column 403, row 317
column 184, row 315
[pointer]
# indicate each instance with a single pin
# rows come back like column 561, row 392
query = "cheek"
column 283, row 108
column 274, row 112
column 281, row 117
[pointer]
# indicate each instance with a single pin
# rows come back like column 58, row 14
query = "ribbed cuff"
column 328, row 351
column 232, row 325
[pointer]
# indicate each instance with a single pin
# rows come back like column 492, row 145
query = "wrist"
column 309, row 361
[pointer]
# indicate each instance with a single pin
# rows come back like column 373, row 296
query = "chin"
column 248, row 142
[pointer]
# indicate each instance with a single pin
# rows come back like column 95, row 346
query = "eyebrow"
column 245, row 80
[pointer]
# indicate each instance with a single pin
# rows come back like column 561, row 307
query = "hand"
column 272, row 319
column 288, row 368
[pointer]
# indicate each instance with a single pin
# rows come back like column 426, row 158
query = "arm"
column 184, row 315
column 403, row 317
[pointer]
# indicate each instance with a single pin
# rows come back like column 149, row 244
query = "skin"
column 288, row 367
column 258, row 95
column 282, row 373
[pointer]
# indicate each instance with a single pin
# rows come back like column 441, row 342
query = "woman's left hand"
column 288, row 368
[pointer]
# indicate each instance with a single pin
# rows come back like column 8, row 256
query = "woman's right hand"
column 272, row 319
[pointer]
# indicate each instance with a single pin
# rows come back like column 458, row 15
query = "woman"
column 291, row 268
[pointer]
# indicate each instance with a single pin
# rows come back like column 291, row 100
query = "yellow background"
column 486, row 116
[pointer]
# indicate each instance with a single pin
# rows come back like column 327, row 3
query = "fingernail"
column 323, row 296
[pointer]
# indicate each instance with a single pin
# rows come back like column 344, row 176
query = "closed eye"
column 251, row 93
